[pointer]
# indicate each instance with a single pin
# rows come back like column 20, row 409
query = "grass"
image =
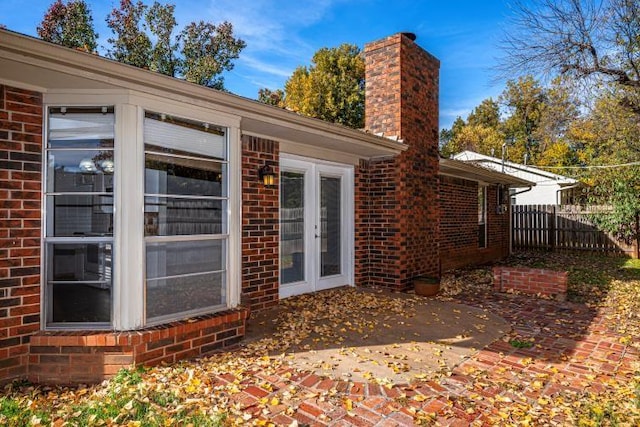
column 517, row 343
column 124, row 401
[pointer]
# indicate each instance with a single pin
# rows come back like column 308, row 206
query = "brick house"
column 143, row 217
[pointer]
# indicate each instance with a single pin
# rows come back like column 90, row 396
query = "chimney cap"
column 410, row 36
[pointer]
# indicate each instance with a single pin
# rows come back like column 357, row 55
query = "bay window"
column 111, row 171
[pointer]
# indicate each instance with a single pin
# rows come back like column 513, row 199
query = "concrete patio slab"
column 404, row 338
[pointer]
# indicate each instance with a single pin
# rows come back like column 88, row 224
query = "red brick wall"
column 260, row 225
column 536, row 281
column 402, row 102
column 459, row 225
column 65, row 358
column 377, row 248
column 20, row 186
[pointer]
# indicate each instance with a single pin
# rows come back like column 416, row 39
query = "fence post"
column 552, row 228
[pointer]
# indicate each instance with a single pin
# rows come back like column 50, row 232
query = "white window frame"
column 46, row 296
column 128, row 240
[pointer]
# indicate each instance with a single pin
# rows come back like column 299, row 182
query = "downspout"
column 511, row 219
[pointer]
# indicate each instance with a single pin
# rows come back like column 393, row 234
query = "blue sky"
column 283, row 34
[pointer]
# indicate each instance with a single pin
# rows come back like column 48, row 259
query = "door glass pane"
column 330, row 225
column 291, row 227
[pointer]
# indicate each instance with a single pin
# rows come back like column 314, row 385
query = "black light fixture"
column 266, row 175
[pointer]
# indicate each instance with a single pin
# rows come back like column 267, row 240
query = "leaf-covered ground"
column 571, row 363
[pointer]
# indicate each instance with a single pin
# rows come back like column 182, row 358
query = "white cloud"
column 264, row 66
column 270, row 26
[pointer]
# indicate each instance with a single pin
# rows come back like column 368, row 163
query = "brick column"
column 260, row 224
column 20, row 226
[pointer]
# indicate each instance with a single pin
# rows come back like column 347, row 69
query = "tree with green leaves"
column 271, row 97
column 331, row 88
column 596, row 43
column 69, row 24
column 145, row 37
column 208, row 50
column 131, row 44
column 161, row 21
column 532, row 121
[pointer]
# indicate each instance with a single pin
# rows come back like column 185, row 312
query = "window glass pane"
column 184, row 293
column 79, row 215
column 89, row 171
column 80, row 303
column 330, row 226
column 80, row 262
column 186, row 135
column 176, row 175
column 81, row 128
column 179, row 258
column 171, row 216
column 291, row 227
column 79, row 282
column 482, row 215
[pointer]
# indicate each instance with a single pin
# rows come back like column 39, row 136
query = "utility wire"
column 621, row 165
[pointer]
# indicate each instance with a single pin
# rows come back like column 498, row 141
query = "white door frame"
column 313, row 169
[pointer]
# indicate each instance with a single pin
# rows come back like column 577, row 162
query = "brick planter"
column 535, row 281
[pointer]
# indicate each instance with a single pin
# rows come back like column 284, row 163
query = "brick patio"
column 575, row 349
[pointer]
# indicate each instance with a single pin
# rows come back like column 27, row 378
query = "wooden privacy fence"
column 564, row 228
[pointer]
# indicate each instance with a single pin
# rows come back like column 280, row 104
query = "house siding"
column 459, row 225
column 20, row 226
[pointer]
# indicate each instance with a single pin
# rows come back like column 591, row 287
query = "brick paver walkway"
column 574, row 348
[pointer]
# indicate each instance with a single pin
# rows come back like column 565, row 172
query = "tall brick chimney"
column 400, row 196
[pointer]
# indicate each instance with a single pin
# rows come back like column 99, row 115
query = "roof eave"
column 98, row 68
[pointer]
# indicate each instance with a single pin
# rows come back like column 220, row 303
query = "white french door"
column 316, row 226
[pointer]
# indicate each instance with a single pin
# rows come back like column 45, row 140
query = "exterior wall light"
column 266, row 175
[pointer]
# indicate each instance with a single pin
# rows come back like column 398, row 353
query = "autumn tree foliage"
column 130, row 43
column 69, row 24
column 145, row 37
column 331, row 88
column 271, row 97
column 595, row 43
